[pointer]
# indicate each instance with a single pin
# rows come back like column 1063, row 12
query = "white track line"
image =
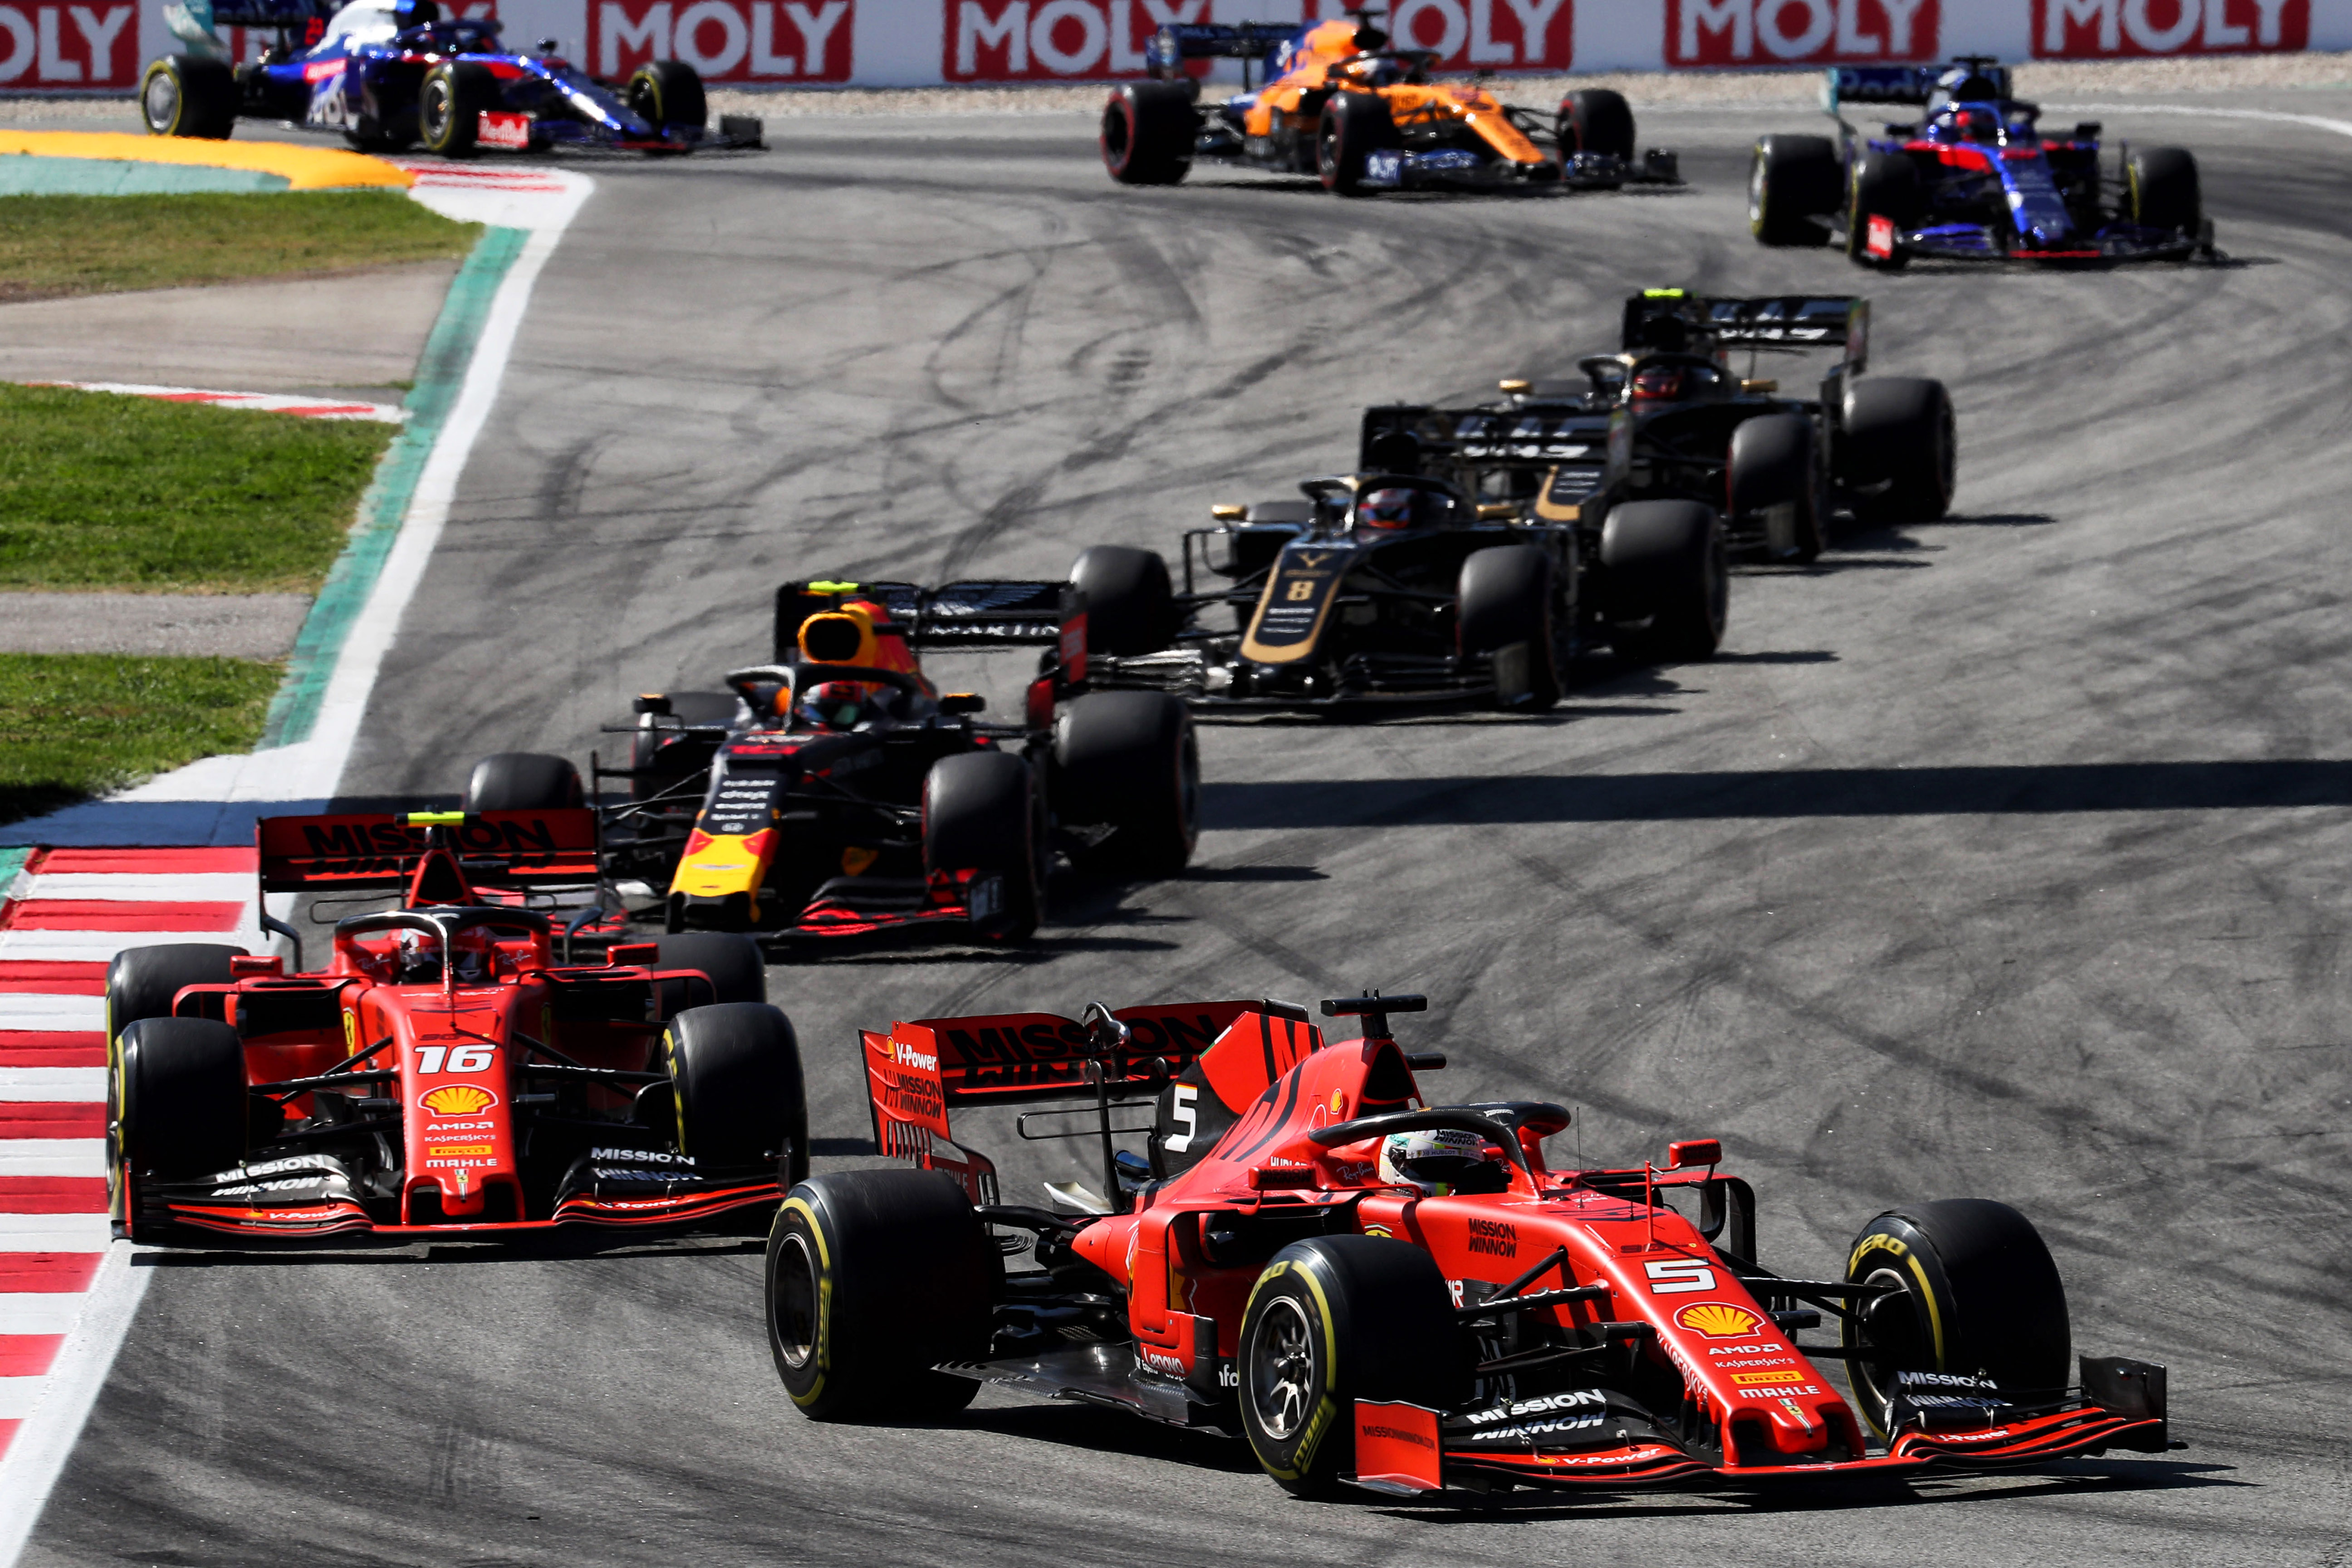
column 2316, row 122
column 37, row 1455
column 162, row 887
column 82, row 1084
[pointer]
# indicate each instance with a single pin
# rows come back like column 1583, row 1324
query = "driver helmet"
column 472, row 954
column 1390, row 508
column 1660, row 382
column 832, row 705
column 419, row 957
column 1435, row 1162
column 1387, row 73
column 1972, row 124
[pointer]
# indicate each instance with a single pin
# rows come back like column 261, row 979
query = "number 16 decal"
column 460, row 1058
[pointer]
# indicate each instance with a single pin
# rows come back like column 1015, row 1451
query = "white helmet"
column 1435, row 1161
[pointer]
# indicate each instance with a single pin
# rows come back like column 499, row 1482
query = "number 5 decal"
column 1679, row 1276
column 1187, row 1116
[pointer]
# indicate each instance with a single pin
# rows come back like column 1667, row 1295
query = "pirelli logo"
column 1752, row 1378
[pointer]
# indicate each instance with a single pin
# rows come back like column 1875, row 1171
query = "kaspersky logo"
column 458, row 1099
column 1719, row 1322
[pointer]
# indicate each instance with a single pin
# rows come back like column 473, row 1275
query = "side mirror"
column 1759, row 383
column 1693, row 1152
column 1513, row 387
column 962, row 703
column 1229, row 511
column 2088, row 130
column 1498, row 511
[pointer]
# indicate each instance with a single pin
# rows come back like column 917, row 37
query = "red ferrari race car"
column 1403, row 1297
column 449, row 1069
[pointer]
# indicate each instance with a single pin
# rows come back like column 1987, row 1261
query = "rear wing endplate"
column 380, row 851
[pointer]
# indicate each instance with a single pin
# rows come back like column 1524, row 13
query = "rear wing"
column 1456, row 441
column 1180, row 41
column 368, row 852
column 980, row 615
column 1655, row 318
column 273, row 13
column 1902, row 84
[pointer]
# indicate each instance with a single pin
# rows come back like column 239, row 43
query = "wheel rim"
column 1890, row 1325
column 1756, row 195
column 161, row 102
column 1282, row 1370
column 793, row 1314
column 1327, row 149
column 432, row 110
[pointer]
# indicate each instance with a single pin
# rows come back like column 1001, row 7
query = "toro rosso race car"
column 449, row 1069
column 1402, row 1296
column 1664, row 419
column 1394, row 586
column 393, row 74
column 836, row 792
column 1338, row 102
column 1973, row 179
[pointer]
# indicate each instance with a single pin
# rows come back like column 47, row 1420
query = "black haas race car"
column 453, row 1065
column 1394, row 586
column 1399, row 1296
column 836, row 792
column 1665, row 419
column 1973, row 179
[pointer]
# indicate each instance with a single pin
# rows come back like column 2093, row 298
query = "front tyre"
column 1597, row 120
column 1970, row 1289
column 1772, row 464
column 188, row 95
column 1131, row 603
column 1886, row 200
column 1508, row 612
column 1129, row 761
column 1354, row 126
column 1667, row 581
column 735, row 1077
column 668, row 94
column 449, row 106
column 982, row 822
column 1901, row 449
column 1793, row 181
column 873, row 1278
column 175, row 1109
column 1331, row 1321
column 1149, row 132
column 2160, row 183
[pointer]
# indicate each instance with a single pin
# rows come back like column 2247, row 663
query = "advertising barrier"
column 73, row 47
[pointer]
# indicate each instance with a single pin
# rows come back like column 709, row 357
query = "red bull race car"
column 450, row 1067
column 1374, row 1290
column 396, row 74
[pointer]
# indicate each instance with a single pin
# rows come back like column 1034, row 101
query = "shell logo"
column 458, row 1099
column 1717, row 1321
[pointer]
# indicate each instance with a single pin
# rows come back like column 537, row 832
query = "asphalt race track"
column 2003, row 856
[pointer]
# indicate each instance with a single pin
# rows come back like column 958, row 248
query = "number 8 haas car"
column 450, row 1069
column 1403, row 1297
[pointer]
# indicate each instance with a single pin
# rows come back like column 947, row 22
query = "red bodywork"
column 1753, row 1403
column 456, row 1072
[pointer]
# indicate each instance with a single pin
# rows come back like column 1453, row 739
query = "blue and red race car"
column 1973, row 179
column 393, row 74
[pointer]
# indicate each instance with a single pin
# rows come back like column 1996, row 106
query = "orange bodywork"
column 1331, row 60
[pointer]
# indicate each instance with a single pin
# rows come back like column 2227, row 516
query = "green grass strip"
column 75, row 725
column 101, row 490
column 440, row 374
column 53, row 245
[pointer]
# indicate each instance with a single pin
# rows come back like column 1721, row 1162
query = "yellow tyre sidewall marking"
column 823, row 1355
column 1327, row 1409
column 1911, row 1264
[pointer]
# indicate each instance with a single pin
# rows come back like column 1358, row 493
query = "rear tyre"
column 1885, row 187
column 1131, row 604
column 1506, row 612
column 187, row 95
column 1773, row 465
column 668, row 93
column 1976, row 1293
column 1597, row 120
column 176, row 1108
column 449, row 106
column 735, row 1076
column 2161, row 184
column 1354, row 125
column 1791, row 181
column 1900, row 449
column 874, row 1277
column 981, row 815
column 1668, row 582
column 523, row 781
column 737, row 968
column 1129, row 760
column 1331, row 1321
column 1149, row 130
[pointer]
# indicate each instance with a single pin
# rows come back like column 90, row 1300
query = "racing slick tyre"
column 2160, row 185
column 664, row 93
column 1597, row 120
column 187, row 95
column 738, row 971
column 1900, row 449
column 176, row 1108
column 1773, row 465
column 522, row 781
column 142, row 981
column 735, row 1075
column 1885, row 187
column 873, row 1278
column 1974, row 1292
column 1149, row 129
column 449, row 106
column 1129, row 761
column 1506, row 610
column 1333, row 1320
column 1354, row 125
column 982, row 814
column 1130, row 604
column 1668, row 582
column 1791, row 181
